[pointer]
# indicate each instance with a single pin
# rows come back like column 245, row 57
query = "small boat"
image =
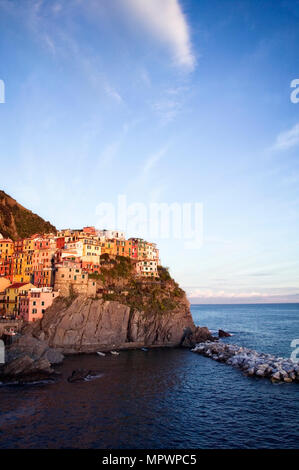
column 144, row 349
column 101, row 353
column 115, row 353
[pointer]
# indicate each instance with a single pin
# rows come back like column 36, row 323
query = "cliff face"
column 88, row 325
column 133, row 314
column 17, row 222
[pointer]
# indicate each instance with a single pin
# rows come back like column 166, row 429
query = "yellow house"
column 6, row 248
column 107, row 246
column 91, row 251
column 11, row 296
column 29, row 244
column 21, row 270
column 119, row 247
column 4, row 283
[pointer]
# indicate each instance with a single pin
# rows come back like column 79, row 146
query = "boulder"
column 196, row 336
column 223, row 334
column 54, row 356
column 83, row 375
column 18, row 366
column 28, row 345
column 25, row 370
column 29, row 360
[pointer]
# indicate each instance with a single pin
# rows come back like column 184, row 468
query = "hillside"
column 18, row 222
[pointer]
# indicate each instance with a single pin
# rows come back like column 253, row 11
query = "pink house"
column 32, row 305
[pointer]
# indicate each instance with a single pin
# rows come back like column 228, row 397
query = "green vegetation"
column 17, row 222
column 164, row 273
column 120, row 268
column 95, row 276
column 28, row 223
column 154, row 297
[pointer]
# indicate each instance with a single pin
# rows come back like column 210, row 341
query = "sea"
column 165, row 398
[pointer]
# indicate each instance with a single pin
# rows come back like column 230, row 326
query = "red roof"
column 17, row 285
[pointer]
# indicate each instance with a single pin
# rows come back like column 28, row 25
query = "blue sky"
column 162, row 101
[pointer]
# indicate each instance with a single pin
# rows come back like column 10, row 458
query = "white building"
column 109, row 234
column 147, row 268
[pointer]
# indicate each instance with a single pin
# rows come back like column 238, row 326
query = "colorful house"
column 11, row 297
column 147, row 269
column 33, row 304
column 6, row 249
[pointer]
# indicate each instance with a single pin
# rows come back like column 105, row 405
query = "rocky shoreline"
column 252, row 363
column 29, row 360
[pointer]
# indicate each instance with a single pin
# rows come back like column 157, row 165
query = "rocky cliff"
column 18, row 222
column 89, row 325
column 130, row 313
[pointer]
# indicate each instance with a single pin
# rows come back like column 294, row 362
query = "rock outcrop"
column 88, row 325
column 223, row 334
column 29, row 360
column 36, row 349
column 83, row 375
column 196, row 335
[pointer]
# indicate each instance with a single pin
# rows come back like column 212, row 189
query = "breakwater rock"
column 252, row 363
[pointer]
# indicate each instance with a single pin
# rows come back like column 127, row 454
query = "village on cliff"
column 36, row 270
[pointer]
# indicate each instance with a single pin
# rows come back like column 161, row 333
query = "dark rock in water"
column 223, row 334
column 199, row 335
column 24, row 369
column 83, row 375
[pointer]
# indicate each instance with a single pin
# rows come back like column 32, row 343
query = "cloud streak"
column 287, row 139
column 210, row 296
column 166, row 22
column 153, row 159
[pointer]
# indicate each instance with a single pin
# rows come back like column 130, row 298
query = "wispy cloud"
column 287, row 139
column 207, row 296
column 153, row 159
column 170, row 104
column 113, row 93
column 166, row 22
column 209, row 293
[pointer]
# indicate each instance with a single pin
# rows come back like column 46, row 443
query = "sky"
column 163, row 101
